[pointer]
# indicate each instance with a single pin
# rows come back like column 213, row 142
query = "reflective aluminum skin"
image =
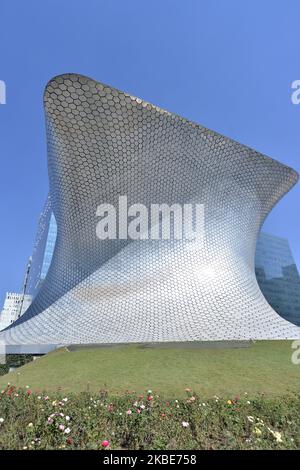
column 103, row 143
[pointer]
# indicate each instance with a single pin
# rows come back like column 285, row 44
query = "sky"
column 227, row 65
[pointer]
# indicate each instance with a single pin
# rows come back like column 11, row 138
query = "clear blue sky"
column 225, row 64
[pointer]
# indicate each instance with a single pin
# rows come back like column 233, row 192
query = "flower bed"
column 34, row 420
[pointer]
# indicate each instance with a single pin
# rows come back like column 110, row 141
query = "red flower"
column 150, row 398
column 10, row 390
column 105, row 444
column 69, row 441
column 29, row 392
column 111, row 408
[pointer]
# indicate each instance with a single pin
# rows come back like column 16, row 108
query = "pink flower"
column 128, row 412
column 150, row 398
column 105, row 444
column 61, row 427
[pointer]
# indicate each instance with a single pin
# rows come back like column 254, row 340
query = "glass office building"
column 278, row 277
column 43, row 249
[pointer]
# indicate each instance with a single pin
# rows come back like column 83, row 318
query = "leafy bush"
column 14, row 360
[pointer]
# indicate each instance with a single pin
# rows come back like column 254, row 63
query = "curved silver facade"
column 103, row 143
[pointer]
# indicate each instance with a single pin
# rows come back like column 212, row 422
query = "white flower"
column 142, row 407
column 65, row 399
column 248, row 402
column 67, row 431
column 30, row 425
column 67, row 418
column 276, row 435
column 250, row 419
column 185, row 424
column 27, row 386
column 39, row 397
column 203, row 404
column 149, row 392
column 1, row 420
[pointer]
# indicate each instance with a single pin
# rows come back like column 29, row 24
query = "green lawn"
column 265, row 367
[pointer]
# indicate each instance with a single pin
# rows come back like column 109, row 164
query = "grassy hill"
column 265, row 367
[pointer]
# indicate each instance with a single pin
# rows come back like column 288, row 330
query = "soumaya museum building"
column 103, row 144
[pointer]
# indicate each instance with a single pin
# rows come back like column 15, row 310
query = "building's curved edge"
column 193, row 124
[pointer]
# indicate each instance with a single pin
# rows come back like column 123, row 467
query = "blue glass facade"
column 49, row 247
column 43, row 249
column 278, row 277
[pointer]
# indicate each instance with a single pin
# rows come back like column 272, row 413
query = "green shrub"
column 14, row 360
